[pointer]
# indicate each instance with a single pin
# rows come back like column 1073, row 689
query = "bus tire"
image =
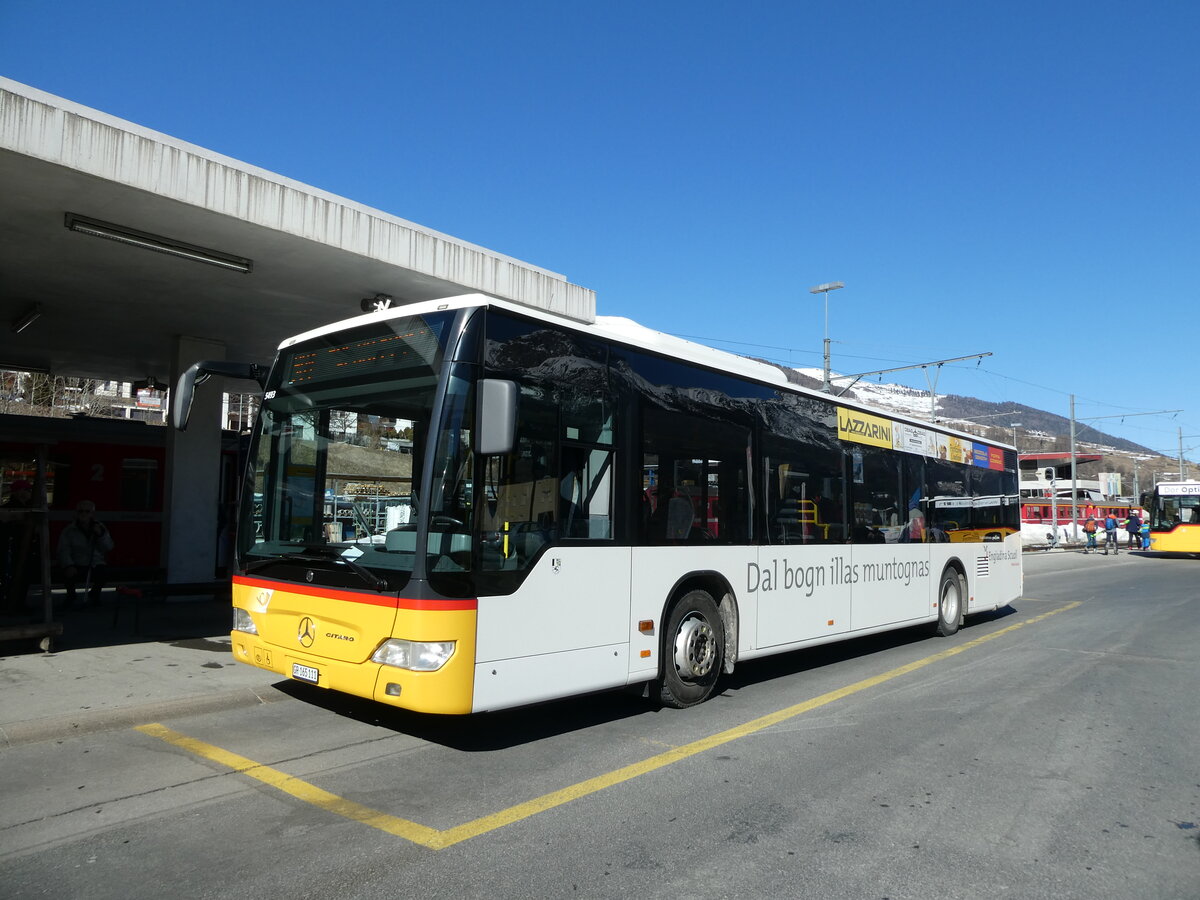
column 951, row 597
column 693, row 650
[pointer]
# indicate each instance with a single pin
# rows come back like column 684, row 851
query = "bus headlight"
column 243, row 622
column 419, row 656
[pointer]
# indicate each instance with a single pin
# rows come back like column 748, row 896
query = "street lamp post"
column 1015, row 426
column 825, row 289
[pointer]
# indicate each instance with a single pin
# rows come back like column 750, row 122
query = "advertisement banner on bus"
column 985, row 457
column 864, row 428
column 912, row 439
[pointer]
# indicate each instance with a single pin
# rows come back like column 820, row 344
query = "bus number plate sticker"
column 305, row 673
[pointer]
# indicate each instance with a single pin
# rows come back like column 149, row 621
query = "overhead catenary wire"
column 978, row 368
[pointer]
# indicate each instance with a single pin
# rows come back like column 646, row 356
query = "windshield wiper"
column 319, row 553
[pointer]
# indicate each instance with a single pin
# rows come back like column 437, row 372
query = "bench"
column 133, row 585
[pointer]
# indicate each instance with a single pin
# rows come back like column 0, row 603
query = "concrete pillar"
column 193, row 473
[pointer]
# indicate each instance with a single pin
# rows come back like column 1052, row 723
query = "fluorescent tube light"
column 24, row 367
column 157, row 243
column 27, row 318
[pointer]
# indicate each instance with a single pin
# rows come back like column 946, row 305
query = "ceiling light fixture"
column 27, row 318
column 24, row 367
column 157, row 243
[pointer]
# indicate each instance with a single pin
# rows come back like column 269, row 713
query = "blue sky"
column 1017, row 177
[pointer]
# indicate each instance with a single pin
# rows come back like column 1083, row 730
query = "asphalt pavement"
column 170, row 659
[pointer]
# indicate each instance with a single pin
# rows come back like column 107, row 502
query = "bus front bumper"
column 446, row 691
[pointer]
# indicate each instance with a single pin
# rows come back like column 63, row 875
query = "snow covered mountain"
column 1038, row 429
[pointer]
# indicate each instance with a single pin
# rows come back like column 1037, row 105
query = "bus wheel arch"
column 951, row 598
column 698, row 631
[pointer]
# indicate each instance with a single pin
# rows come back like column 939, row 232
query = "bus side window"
column 697, row 462
column 804, row 500
column 876, row 496
column 585, row 493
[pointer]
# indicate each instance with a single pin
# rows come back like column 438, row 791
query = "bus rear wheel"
column 693, row 650
column 951, row 594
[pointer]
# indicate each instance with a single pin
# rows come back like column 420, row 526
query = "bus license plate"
column 305, row 673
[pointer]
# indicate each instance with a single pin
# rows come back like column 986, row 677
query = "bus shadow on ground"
column 505, row 729
column 481, row 732
column 760, row 671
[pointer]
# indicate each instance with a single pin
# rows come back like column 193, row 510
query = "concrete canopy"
column 118, row 311
column 115, row 311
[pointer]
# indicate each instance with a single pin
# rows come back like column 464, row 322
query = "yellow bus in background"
column 1174, row 511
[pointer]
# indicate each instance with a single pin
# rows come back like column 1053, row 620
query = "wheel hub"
column 695, row 648
column 949, row 602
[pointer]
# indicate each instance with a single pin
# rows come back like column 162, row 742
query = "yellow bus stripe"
column 435, row 839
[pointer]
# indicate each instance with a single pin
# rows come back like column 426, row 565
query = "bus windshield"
column 1175, row 505
column 339, row 442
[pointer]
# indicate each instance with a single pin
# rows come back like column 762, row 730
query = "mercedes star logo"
column 307, row 633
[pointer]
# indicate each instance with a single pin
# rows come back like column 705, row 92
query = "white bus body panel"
column 803, row 593
column 896, row 583
column 553, row 638
column 994, row 573
column 656, row 572
column 516, row 682
column 565, row 630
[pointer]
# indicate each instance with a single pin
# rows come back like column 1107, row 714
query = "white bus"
column 466, row 505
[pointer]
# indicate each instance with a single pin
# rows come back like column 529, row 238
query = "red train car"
column 118, row 464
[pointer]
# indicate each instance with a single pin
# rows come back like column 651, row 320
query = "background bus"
column 1174, row 511
column 536, row 562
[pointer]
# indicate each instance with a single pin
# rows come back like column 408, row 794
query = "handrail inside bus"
column 200, row 372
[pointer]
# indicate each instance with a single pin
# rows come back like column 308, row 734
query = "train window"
column 139, row 484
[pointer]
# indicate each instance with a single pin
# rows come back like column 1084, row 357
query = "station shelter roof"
column 241, row 256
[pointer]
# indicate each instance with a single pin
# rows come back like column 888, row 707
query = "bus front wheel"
column 951, row 594
column 693, row 650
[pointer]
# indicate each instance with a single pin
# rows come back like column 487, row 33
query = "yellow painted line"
column 435, row 839
column 301, row 790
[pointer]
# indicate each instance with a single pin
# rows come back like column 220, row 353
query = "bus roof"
column 626, row 331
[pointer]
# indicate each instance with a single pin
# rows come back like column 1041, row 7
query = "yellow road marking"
column 437, row 840
column 301, row 790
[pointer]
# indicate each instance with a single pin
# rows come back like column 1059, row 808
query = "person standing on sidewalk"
column 83, row 548
column 1110, row 534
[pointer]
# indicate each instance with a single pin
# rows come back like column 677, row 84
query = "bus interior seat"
column 679, row 519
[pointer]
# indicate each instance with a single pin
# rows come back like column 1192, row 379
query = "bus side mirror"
column 198, row 373
column 181, row 397
column 496, row 417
